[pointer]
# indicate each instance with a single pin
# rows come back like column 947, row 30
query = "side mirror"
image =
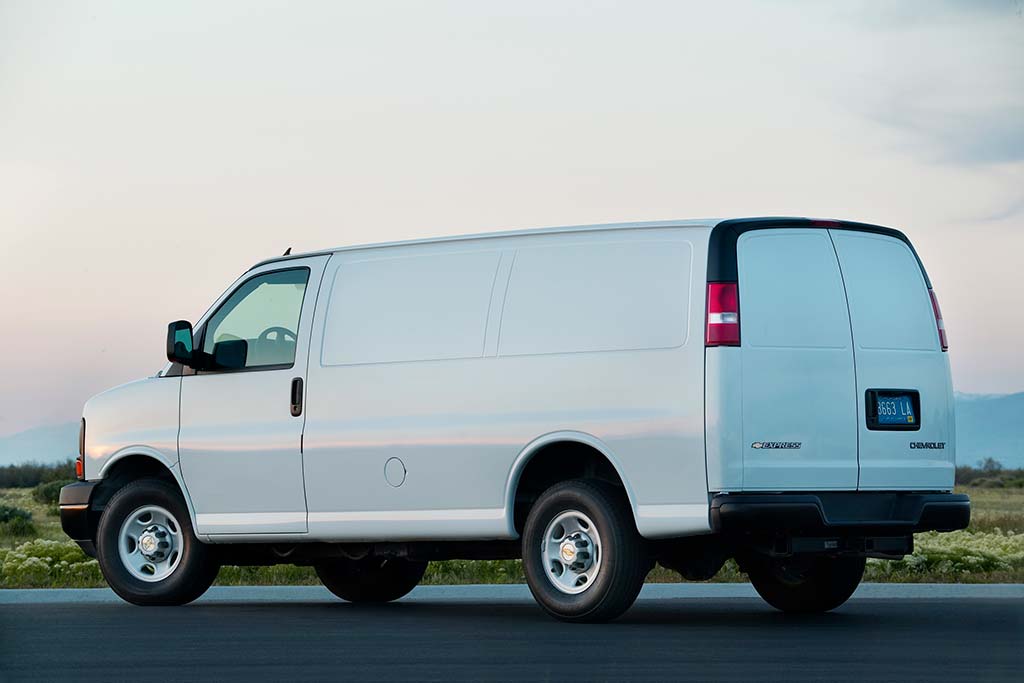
column 179, row 342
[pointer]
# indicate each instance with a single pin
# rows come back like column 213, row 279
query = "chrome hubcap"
column 150, row 543
column 571, row 551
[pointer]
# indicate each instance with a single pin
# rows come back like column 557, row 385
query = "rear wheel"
column 583, row 557
column 147, row 550
column 374, row 579
column 806, row 584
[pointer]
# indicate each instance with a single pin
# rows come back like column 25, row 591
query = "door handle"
column 296, row 397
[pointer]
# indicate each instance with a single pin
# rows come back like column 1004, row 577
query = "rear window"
column 791, row 292
column 888, row 296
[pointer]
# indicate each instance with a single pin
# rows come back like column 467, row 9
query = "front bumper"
column 76, row 514
column 849, row 513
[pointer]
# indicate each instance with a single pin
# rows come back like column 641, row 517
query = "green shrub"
column 15, row 522
column 957, row 553
column 10, row 513
column 17, row 528
column 276, row 575
column 49, row 493
column 31, row 474
column 474, row 571
column 987, row 473
column 42, row 564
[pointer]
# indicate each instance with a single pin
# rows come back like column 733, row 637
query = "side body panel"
column 723, row 403
column 467, row 391
column 135, row 419
column 138, row 418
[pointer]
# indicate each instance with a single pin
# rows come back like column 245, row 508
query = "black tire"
column 196, row 569
column 808, row 585
column 622, row 552
column 374, row 579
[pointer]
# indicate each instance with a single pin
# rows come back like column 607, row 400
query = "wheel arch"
column 133, row 463
column 542, row 459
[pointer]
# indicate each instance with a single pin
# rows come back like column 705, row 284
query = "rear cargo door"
column 799, row 393
column 898, row 360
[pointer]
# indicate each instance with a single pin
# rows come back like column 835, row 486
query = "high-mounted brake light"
column 938, row 320
column 723, row 315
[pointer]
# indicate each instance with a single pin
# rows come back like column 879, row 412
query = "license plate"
column 893, row 409
column 896, row 410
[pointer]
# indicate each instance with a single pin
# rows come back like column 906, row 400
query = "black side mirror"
column 179, row 342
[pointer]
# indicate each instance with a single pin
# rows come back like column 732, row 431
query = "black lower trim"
column 840, row 512
column 75, row 502
column 78, row 493
column 88, row 547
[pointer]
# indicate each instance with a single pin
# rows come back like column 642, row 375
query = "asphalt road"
column 690, row 632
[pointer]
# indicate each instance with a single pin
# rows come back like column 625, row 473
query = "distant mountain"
column 46, row 444
column 988, row 426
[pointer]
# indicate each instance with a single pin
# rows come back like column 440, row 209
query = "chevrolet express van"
column 593, row 400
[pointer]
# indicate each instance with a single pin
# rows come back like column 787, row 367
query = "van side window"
column 257, row 326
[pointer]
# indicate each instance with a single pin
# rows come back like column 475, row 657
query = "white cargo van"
column 590, row 399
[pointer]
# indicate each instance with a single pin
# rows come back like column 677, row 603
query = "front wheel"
column 583, row 557
column 373, row 579
column 147, row 550
column 806, row 585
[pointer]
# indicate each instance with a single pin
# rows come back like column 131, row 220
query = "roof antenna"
column 287, row 251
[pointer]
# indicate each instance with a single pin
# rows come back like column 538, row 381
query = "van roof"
column 689, row 223
column 740, row 224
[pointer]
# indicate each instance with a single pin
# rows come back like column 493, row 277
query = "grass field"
column 991, row 550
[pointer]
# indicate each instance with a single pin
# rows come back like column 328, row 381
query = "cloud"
column 973, row 135
column 915, row 13
column 947, row 76
column 1010, row 210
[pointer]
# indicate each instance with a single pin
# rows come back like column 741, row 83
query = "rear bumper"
column 850, row 513
column 75, row 504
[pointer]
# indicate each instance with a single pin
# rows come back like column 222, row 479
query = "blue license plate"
column 896, row 410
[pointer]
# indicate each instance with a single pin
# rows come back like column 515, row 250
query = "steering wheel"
column 281, row 333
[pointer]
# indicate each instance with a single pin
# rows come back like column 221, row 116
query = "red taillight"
column 723, row 315
column 80, row 460
column 938, row 320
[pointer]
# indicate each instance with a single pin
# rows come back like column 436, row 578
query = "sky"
column 152, row 152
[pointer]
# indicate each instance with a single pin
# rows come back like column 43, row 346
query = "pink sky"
column 151, row 153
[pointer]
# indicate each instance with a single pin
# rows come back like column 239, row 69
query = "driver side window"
column 257, row 326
